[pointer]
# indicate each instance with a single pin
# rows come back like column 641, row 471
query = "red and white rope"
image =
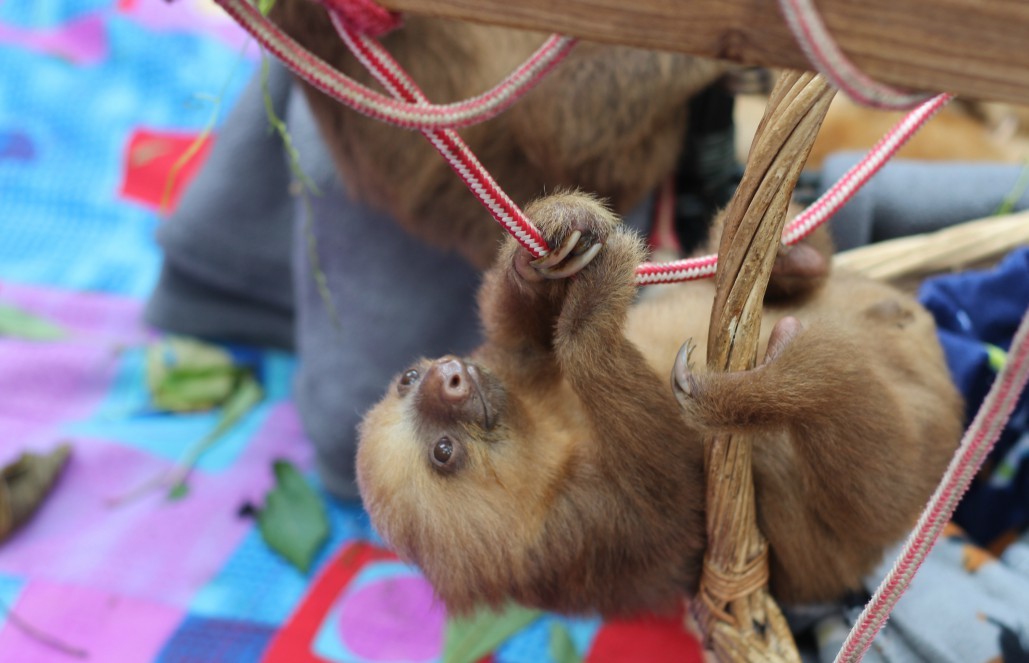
column 388, row 72
column 813, row 36
column 819, row 211
column 975, row 446
column 410, row 109
column 844, row 189
column 398, row 112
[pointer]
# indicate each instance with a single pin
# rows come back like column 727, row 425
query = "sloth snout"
column 453, row 383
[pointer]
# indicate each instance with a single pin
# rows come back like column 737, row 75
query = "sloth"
column 554, row 466
column 604, row 107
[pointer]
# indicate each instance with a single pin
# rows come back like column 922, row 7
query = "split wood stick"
column 734, row 609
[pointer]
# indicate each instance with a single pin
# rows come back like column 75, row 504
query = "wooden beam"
column 974, row 48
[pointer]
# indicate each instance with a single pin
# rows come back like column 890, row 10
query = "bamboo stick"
column 905, row 261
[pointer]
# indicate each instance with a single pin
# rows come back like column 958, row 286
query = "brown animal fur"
column 602, row 102
column 576, row 482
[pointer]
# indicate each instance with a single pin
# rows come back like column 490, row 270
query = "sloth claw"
column 783, row 334
column 684, row 383
column 575, row 252
column 573, row 266
column 560, row 253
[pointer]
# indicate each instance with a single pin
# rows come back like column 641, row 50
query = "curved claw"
column 573, row 266
column 553, row 258
column 683, row 381
column 783, row 334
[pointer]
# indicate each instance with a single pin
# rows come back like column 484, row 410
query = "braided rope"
column 410, row 109
column 813, row 36
column 975, row 446
column 398, row 82
column 400, row 113
column 844, row 189
column 388, row 72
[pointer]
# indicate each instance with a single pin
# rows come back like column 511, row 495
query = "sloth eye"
column 442, row 451
column 406, row 380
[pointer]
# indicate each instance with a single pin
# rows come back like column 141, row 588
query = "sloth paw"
column 719, row 400
column 783, row 334
column 684, row 380
column 575, row 226
column 798, row 270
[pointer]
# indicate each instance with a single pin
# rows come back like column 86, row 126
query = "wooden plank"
column 974, row 48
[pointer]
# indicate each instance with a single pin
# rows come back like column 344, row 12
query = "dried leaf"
column 19, row 324
column 468, row 639
column 25, row 483
column 293, row 521
column 562, row 647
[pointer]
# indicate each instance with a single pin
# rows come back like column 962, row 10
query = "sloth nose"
column 455, row 385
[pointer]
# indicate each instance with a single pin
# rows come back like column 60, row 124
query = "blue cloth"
column 977, row 314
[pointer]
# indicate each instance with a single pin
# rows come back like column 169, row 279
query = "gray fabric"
column 397, row 300
column 227, row 247
column 953, row 611
column 910, row 197
column 193, row 307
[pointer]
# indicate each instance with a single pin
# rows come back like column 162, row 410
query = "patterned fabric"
column 100, row 101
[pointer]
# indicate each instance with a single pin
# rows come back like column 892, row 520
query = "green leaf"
column 178, row 491
column 265, row 6
column 468, row 639
column 185, row 375
column 244, row 399
column 1007, row 205
column 996, row 357
column 293, row 521
column 562, row 648
column 19, row 324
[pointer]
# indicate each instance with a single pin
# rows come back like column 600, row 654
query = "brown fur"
column 604, row 107
column 577, row 481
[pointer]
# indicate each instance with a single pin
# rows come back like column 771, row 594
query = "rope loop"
column 406, row 107
column 824, row 53
column 321, row 75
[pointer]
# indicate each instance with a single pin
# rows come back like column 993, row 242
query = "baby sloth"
column 555, row 467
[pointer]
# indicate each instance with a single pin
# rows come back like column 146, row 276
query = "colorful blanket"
column 104, row 111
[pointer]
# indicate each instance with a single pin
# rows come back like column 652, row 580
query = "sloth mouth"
column 488, row 416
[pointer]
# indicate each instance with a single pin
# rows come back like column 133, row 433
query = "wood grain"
column 974, row 48
column 739, row 619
